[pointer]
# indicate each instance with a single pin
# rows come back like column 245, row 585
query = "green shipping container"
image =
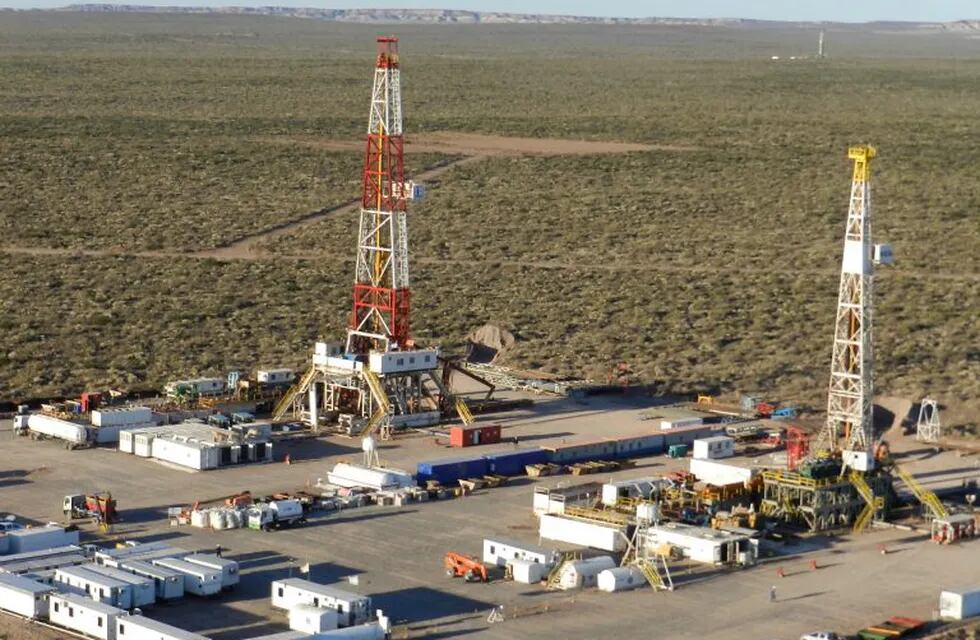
column 677, row 450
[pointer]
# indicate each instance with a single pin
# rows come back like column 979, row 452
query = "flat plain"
column 136, row 149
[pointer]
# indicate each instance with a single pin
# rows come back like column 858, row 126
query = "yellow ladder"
column 650, row 573
column 377, row 390
column 464, row 412
column 287, row 400
column 555, row 574
column 926, row 497
column 873, row 503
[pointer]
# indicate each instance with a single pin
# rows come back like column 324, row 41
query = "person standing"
column 772, row 593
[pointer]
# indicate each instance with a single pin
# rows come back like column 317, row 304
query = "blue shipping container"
column 449, row 470
column 512, row 463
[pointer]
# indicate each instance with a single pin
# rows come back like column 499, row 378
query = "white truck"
column 275, row 514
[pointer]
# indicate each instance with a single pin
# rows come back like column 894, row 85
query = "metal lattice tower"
column 849, row 402
column 927, row 427
column 379, row 320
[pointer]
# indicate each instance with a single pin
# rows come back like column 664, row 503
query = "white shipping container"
column 228, row 568
column 138, row 550
column 582, row 533
column 42, row 560
column 310, row 619
column 355, row 475
column 24, row 596
column 139, row 627
column 144, row 590
column 143, row 444
column 88, row 583
column 528, row 571
column 714, row 447
column 126, row 437
column 83, row 615
column 959, row 604
column 201, row 581
column 122, row 416
column 71, row 432
column 583, row 574
column 677, row 423
column 352, row 608
column 40, row 538
column 168, row 583
column 191, row 454
column 620, row 579
column 720, row 474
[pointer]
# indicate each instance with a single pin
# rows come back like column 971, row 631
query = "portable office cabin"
column 310, row 619
column 168, row 584
column 228, row 568
column 44, row 560
column 702, row 544
column 186, row 452
column 138, row 551
column 201, row 581
column 83, row 615
column 275, row 376
column 144, row 589
column 139, row 627
column 24, row 596
column 97, row 586
column 500, row 551
column 714, row 447
column 959, row 604
column 351, row 608
column 40, row 538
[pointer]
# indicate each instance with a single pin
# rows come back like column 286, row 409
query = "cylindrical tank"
column 71, row 432
column 620, row 579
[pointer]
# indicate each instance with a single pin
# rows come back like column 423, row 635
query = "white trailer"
column 714, row 447
column 582, row 532
column 138, row 551
column 101, row 588
column 228, row 568
column 139, row 627
column 74, row 434
column 144, row 589
column 201, row 581
column 702, row 544
column 583, row 574
column 169, row 584
column 720, row 474
column 24, row 596
column 44, row 560
column 501, row 551
column 122, row 417
column 83, row 615
column 310, row 619
column 352, row 608
column 959, row 604
column 40, row 538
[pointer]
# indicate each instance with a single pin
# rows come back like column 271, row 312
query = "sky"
column 809, row 10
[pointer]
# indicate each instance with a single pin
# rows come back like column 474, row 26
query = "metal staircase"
column 659, row 578
column 294, row 391
column 923, row 495
column 383, row 408
column 554, row 576
column 873, row 503
column 464, row 412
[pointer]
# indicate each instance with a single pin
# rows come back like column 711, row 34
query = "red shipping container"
column 90, row 401
column 460, row 436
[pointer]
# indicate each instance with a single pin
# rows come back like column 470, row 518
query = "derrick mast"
column 851, row 392
column 381, row 295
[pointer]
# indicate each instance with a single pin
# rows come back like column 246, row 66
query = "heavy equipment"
column 100, row 506
column 466, row 567
column 275, row 514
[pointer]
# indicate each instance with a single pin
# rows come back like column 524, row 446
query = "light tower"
column 380, row 316
column 851, row 391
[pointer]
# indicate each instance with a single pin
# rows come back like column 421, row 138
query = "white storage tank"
column 714, row 447
column 352, row 608
column 169, row 584
column 201, row 581
column 71, row 432
column 620, row 579
column 228, row 568
column 85, row 582
column 583, row 574
column 23, row 596
column 346, row 474
column 144, row 590
column 581, row 532
column 122, row 416
column 40, row 538
column 528, row 571
column 139, row 627
column 959, row 604
column 83, row 615
column 310, row 619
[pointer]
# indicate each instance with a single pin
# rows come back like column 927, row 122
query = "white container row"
column 23, row 596
column 39, row 538
column 198, row 579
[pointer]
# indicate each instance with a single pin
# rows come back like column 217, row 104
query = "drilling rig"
column 379, row 380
